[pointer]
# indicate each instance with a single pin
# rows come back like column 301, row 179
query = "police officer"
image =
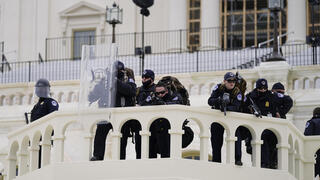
column 159, row 141
column 265, row 101
column 313, row 128
column 284, row 102
column 145, row 92
column 126, row 91
column 45, row 104
column 225, row 96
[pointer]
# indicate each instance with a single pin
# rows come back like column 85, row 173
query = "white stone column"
column 256, row 153
column 297, row 18
column 58, row 146
column 34, row 158
column 283, row 156
column 11, row 167
column 177, row 19
column 116, row 145
column 299, row 172
column 45, row 154
column 308, row 170
column 231, row 149
column 210, row 22
column 273, row 72
column 291, row 162
column 87, row 146
column 176, row 143
column 23, row 162
column 204, row 142
column 145, row 144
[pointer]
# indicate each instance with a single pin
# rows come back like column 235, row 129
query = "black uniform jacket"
column 215, row 100
column 126, row 93
column 145, row 94
column 43, row 107
column 265, row 101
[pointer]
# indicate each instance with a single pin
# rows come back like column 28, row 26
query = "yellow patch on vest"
column 267, row 104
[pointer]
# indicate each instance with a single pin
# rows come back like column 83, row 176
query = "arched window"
column 247, row 23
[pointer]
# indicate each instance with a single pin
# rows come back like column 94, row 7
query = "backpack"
column 175, row 86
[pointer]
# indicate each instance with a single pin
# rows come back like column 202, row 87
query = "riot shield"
column 98, row 78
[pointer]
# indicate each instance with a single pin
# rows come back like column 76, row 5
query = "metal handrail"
column 270, row 40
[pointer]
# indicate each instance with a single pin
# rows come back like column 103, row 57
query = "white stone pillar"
column 308, row 170
column 34, row 158
column 299, row 172
column 176, row 143
column 58, row 146
column 210, row 22
column 231, row 149
column 204, row 142
column 87, row 147
column 256, row 153
column 116, row 145
column 283, row 156
column 291, row 162
column 145, row 144
column 177, row 21
column 45, row 154
column 12, row 161
column 273, row 72
column 297, row 21
column 23, row 162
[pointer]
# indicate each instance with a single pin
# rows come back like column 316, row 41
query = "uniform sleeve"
column 286, row 105
column 127, row 88
column 309, row 128
column 53, row 106
column 175, row 100
column 215, row 100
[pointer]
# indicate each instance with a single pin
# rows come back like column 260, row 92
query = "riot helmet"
column 119, row 67
column 316, row 112
column 42, row 88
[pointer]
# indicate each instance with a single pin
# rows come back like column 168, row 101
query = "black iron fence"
column 160, row 42
column 162, row 63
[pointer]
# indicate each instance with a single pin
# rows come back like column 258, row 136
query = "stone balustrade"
column 295, row 151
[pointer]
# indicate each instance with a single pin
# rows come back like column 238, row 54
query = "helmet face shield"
column 43, row 91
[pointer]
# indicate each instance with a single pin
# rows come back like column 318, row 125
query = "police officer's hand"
column 278, row 115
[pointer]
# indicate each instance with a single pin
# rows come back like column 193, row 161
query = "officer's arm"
column 214, row 99
column 53, row 106
column 287, row 105
column 309, row 128
column 176, row 100
column 127, row 88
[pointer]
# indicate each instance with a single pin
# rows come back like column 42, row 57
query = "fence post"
column 197, row 61
column 256, row 56
column 46, row 49
column 180, row 40
column 135, row 41
column 29, row 76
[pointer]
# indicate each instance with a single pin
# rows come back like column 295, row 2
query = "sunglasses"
column 231, row 81
column 161, row 92
column 263, row 88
